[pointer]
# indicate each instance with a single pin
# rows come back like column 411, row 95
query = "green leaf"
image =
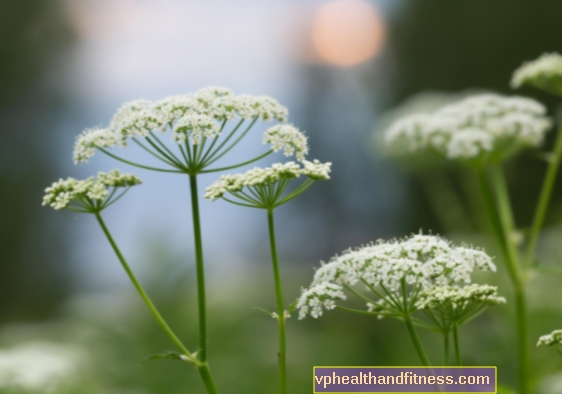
column 270, row 314
column 163, row 356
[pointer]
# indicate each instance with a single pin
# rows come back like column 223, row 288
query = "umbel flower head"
column 89, row 195
column 393, row 269
column 552, row 339
column 446, row 305
column 476, row 129
column 544, row 73
column 264, row 187
column 192, row 120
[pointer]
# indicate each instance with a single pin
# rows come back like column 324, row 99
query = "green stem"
column 457, row 347
column 522, row 339
column 506, row 221
column 446, row 349
column 280, row 307
column 142, row 293
column 416, row 340
column 202, row 353
column 503, row 228
column 544, row 199
column 203, row 367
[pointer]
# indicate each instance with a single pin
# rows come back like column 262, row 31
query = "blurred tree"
column 33, row 34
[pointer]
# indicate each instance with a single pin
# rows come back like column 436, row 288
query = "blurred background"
column 345, row 69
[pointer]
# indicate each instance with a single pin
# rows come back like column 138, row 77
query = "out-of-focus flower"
column 544, row 73
column 476, row 129
column 40, row 366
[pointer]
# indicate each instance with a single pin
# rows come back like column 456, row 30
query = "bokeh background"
column 342, row 68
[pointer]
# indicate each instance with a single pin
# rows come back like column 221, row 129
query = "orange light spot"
column 347, row 32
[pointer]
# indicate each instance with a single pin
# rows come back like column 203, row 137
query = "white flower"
column 63, row 192
column 554, row 338
column 468, row 144
column 421, row 261
column 544, row 73
column 472, row 128
column 194, row 115
column 322, row 295
column 260, row 177
column 89, row 140
column 458, row 298
column 287, row 138
column 196, row 126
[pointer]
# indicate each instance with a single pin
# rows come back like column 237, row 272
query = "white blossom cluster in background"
column 544, row 72
column 191, row 117
column 420, row 260
column 554, row 338
column 472, row 128
column 65, row 191
column 267, row 176
column 458, row 298
column 39, row 366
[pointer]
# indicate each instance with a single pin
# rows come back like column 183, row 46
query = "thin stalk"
column 237, row 165
column 416, row 340
column 214, row 158
column 280, row 306
column 142, row 293
column 139, row 165
column 505, row 214
column 200, row 268
column 496, row 224
column 446, row 349
column 503, row 228
column 457, row 347
column 412, row 329
column 544, row 199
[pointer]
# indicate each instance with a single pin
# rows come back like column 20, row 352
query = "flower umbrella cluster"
column 552, row 339
column 389, row 268
column 477, row 128
column 89, row 195
column 264, row 187
column 192, row 119
column 446, row 305
column 543, row 73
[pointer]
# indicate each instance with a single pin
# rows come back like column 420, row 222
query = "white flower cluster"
column 544, row 72
column 90, row 139
column 191, row 115
column 420, row 260
column 554, row 338
column 61, row 193
column 197, row 126
column 317, row 297
column 267, row 176
column 288, row 138
column 458, row 298
column 472, row 128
